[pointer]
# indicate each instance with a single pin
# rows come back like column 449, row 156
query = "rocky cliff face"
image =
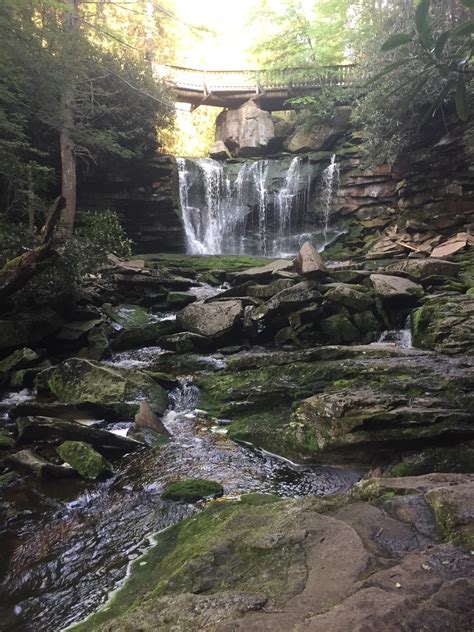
column 147, row 201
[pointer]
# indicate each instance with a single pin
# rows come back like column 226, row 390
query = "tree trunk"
column 68, row 154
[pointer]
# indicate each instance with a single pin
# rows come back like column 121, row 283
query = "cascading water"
column 258, row 208
column 330, row 184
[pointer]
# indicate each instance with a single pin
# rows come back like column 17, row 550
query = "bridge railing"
column 244, row 80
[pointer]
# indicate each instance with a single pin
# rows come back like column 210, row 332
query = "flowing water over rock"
column 262, row 207
column 67, row 544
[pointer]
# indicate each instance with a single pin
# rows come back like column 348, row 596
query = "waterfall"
column 259, row 171
column 255, row 207
column 291, row 202
column 330, row 185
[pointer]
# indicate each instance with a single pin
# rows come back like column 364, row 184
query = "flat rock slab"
column 387, row 287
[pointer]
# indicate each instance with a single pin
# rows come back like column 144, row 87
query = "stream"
column 66, row 544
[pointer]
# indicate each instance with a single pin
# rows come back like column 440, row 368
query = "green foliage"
column 434, row 57
column 98, row 234
column 118, row 105
column 422, row 80
column 301, row 37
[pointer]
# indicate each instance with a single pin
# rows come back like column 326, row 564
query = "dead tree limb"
column 16, row 273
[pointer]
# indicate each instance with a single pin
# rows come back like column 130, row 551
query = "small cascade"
column 330, row 184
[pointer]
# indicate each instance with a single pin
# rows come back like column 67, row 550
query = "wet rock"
column 18, row 360
column 29, row 461
column 128, row 316
column 445, row 324
column 192, row 490
column 180, row 299
column 211, row 319
column 51, row 429
column 294, row 554
column 143, row 336
column 146, row 418
column 393, row 287
column 353, row 409
column 309, row 262
column 186, row 341
column 84, row 459
column 77, row 381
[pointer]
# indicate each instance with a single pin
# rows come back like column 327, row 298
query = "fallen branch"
column 16, row 273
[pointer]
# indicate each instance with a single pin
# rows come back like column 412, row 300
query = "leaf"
column 421, row 15
column 440, row 44
column 395, row 41
column 468, row 3
column 462, row 107
column 388, row 69
column 466, row 28
column 426, row 37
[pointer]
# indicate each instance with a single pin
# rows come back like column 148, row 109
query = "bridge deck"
column 231, row 88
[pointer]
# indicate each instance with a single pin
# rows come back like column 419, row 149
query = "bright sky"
column 234, row 34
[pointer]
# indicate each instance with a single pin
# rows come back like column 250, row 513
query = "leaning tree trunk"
column 68, row 154
column 16, row 273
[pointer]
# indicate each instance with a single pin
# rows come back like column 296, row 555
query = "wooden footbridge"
column 232, row 88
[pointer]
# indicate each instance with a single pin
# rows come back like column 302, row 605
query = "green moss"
column 260, row 499
column 224, row 548
column 192, row 490
column 458, row 459
column 84, row 459
column 6, row 440
column 204, row 263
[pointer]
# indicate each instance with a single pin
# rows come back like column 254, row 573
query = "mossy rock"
column 445, row 324
column 192, row 490
column 260, row 499
column 227, row 548
column 18, row 360
column 78, row 381
column 453, row 459
column 84, row 459
column 6, row 440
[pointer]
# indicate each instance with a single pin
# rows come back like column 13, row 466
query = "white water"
column 330, row 185
column 242, row 209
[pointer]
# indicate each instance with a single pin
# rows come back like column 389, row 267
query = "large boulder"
column 211, row 319
column 247, row 131
column 309, row 262
column 76, row 381
column 349, row 296
column 426, row 269
column 390, row 287
column 84, row 459
column 319, row 137
column 445, row 324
